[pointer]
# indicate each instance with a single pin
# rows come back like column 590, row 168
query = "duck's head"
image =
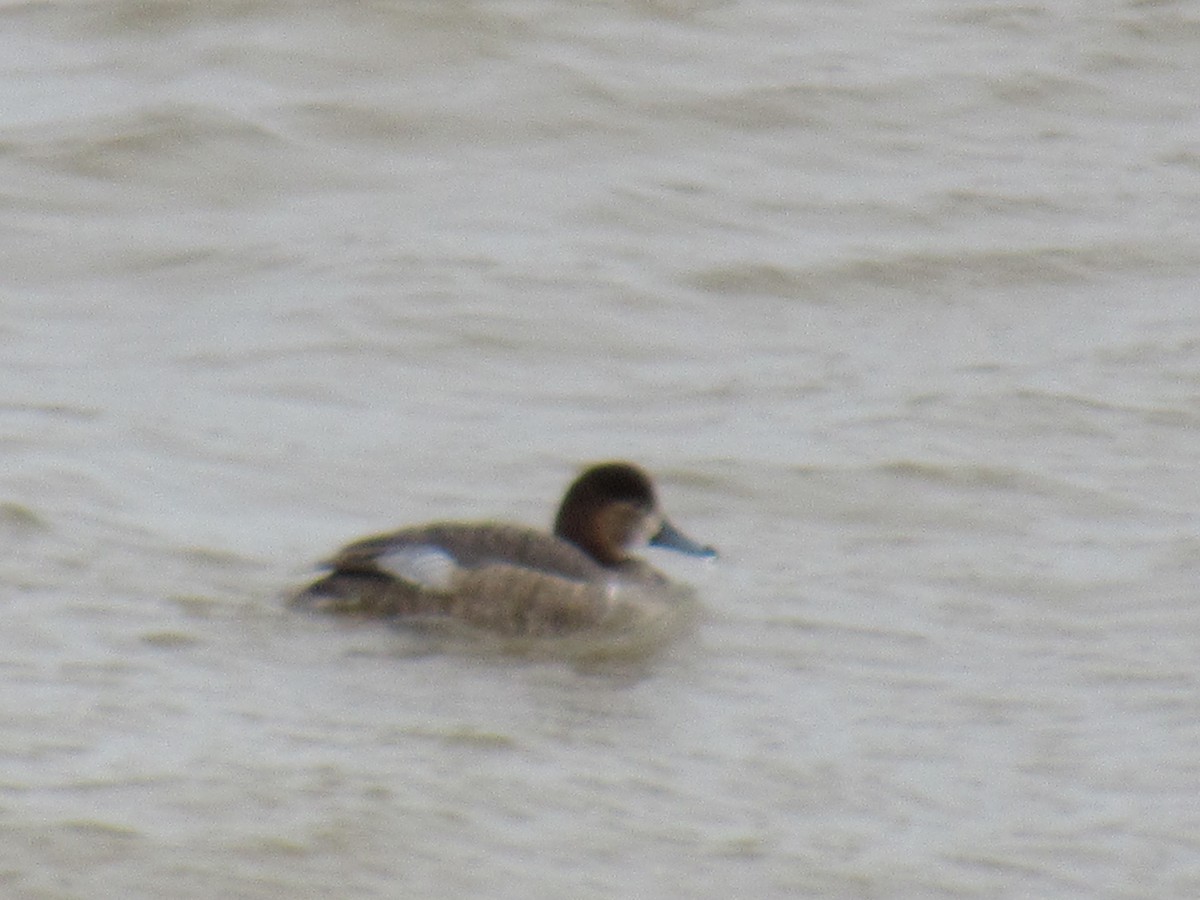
column 611, row 509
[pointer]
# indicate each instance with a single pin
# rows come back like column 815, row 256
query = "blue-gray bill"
column 672, row 538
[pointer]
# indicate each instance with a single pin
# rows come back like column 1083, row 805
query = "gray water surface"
column 897, row 300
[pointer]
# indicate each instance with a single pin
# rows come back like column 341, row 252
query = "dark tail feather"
column 366, row 593
column 345, row 592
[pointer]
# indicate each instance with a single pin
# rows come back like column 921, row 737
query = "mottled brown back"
column 473, row 545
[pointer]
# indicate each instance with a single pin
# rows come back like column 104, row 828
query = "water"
column 898, row 301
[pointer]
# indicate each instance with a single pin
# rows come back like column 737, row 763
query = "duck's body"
column 509, row 578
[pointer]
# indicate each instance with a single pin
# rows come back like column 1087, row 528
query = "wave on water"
column 952, row 268
column 17, row 519
column 171, row 151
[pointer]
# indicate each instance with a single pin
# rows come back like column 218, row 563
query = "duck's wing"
column 502, row 578
column 472, row 546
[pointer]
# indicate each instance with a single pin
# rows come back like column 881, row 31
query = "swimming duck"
column 510, row 578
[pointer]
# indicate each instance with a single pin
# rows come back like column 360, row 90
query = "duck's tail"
column 356, row 593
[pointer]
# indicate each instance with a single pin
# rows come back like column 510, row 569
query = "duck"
column 507, row 578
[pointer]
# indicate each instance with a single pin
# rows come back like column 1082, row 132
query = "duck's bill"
column 671, row 538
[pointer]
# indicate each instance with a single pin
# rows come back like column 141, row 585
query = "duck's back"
column 475, row 545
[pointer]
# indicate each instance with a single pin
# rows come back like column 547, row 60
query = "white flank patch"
column 424, row 565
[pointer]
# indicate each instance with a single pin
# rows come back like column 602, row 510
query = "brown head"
column 611, row 508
